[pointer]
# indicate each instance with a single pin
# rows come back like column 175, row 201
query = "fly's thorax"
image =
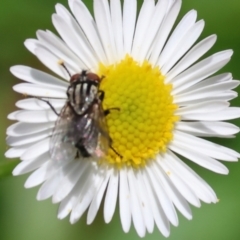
column 81, row 94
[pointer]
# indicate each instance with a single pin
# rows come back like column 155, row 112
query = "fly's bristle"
column 60, row 62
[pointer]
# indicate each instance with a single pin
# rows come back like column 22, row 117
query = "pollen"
column 142, row 118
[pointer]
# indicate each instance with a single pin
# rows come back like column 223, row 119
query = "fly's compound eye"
column 93, row 77
column 75, row 77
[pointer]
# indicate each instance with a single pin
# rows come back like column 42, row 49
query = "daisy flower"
column 168, row 99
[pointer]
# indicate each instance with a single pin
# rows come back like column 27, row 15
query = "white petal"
column 137, row 214
column 32, row 44
column 144, row 201
column 73, row 25
column 60, row 49
column 200, row 159
column 36, row 150
column 193, row 193
column 66, row 205
column 73, row 172
column 170, row 4
column 144, row 18
column 117, row 26
column 124, row 201
column 164, row 31
column 205, row 96
column 201, row 70
column 88, row 25
column 205, row 147
column 92, row 210
column 39, row 176
column 192, row 56
column 96, row 202
column 30, row 89
column 152, row 29
column 13, row 115
column 178, row 34
column 48, row 187
column 111, row 196
column 175, row 194
column 226, row 114
column 20, row 129
column 75, row 42
column 162, row 196
column 203, row 107
column 197, row 184
column 51, row 61
column 88, row 188
column 36, row 116
column 221, row 78
column 38, row 77
column 22, row 140
column 184, row 45
column 103, row 21
column 37, row 104
column 30, row 165
column 71, row 3
column 129, row 19
column 206, row 92
column 16, row 152
column 218, row 129
column 158, row 214
column 213, row 88
column 179, row 184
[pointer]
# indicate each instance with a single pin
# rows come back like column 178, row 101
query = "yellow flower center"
column 143, row 125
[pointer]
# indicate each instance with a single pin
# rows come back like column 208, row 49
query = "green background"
column 22, row 217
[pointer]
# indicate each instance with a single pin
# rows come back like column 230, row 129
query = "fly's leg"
column 101, row 94
column 101, row 97
column 107, row 111
column 79, row 145
column 114, row 149
column 77, row 155
column 50, row 105
column 64, row 66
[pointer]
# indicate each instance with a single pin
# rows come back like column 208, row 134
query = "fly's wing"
column 88, row 130
column 97, row 140
column 62, row 142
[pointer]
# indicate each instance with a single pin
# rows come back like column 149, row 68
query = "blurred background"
column 23, row 217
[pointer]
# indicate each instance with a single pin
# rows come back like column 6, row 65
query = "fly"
column 81, row 129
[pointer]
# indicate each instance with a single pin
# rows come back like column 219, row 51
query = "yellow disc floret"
column 144, row 123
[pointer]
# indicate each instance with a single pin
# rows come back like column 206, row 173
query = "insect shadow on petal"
column 81, row 129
